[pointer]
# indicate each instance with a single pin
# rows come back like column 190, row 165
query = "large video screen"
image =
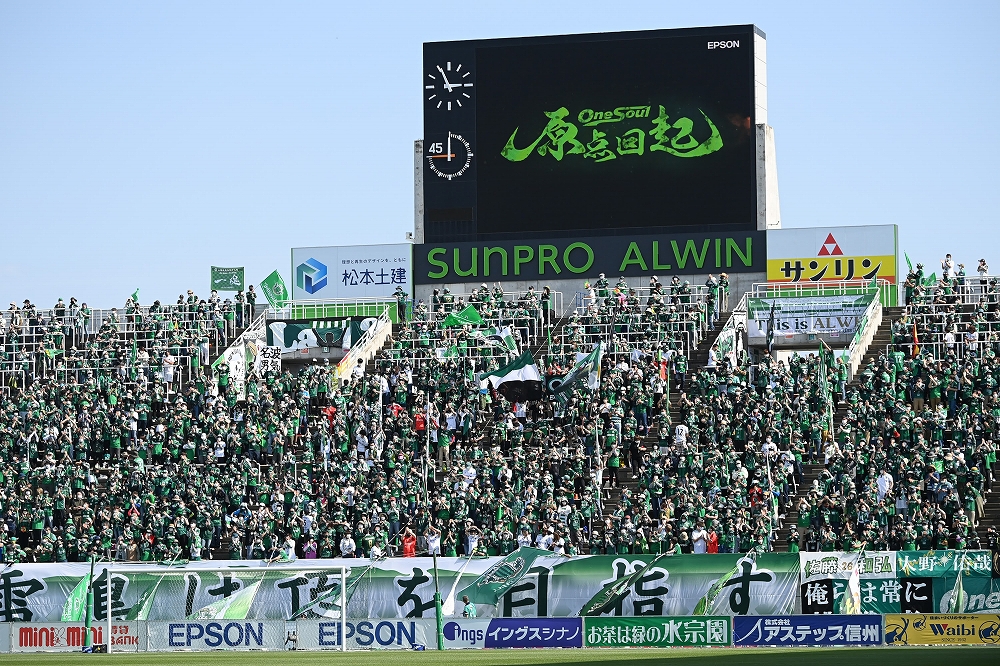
column 590, row 133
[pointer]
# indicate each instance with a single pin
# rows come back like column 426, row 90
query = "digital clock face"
column 451, row 157
column 448, row 87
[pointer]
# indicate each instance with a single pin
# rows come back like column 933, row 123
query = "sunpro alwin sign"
column 555, row 258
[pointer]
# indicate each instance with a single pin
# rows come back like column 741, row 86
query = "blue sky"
column 141, row 143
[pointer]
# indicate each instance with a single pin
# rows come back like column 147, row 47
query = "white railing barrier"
column 870, row 322
column 366, row 348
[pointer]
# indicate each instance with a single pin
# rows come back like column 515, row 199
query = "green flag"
column 707, row 602
column 499, row 578
column 135, row 296
column 134, row 360
column 930, row 280
column 227, row 279
column 444, row 353
column 333, row 594
column 909, row 266
column 467, row 316
column 494, row 337
column 234, row 607
column 616, row 590
column 76, row 602
column 586, row 369
column 274, row 289
column 957, row 601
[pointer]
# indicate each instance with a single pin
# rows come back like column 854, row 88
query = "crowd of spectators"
column 107, row 452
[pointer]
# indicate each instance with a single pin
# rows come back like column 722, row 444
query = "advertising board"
column 832, row 254
column 367, row 634
column 583, row 257
column 350, row 271
column 509, row 632
column 70, row 637
column 610, row 131
column 216, row 635
column 808, row 630
column 701, row 631
column 944, row 629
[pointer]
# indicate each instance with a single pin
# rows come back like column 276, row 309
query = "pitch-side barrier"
column 506, row 632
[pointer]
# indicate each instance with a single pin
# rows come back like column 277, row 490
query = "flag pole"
column 438, row 614
column 87, row 640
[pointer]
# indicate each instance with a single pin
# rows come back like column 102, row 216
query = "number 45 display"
column 450, row 158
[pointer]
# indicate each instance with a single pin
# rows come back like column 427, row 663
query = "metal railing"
column 870, row 322
column 367, row 347
column 320, row 309
column 461, row 300
column 887, row 290
column 966, row 290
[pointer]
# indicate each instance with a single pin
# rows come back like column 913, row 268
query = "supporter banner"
column 295, row 335
column 981, row 595
column 832, row 315
column 874, row 564
column 702, row 631
column 808, row 630
column 404, row 587
column 571, row 258
column 227, row 279
column 70, row 637
column 350, row 271
column 825, row 575
column 832, row 254
column 916, row 595
column 268, row 360
column 216, row 635
column 514, row 633
column 942, row 629
column 941, row 563
column 367, row 634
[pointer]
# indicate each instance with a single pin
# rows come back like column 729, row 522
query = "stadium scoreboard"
column 594, row 134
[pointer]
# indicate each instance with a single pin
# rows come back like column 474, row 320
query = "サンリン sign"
column 832, row 254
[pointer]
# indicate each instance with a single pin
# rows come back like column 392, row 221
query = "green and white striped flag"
column 493, row 337
column 587, row 369
column 444, row 353
column 518, row 381
column 234, row 607
column 76, row 602
column 957, row 601
column 604, row 600
column 332, row 596
column 499, row 578
column 706, row 604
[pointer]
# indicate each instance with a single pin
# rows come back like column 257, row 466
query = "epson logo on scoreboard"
column 729, row 44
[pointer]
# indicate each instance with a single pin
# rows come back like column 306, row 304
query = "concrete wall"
column 739, row 284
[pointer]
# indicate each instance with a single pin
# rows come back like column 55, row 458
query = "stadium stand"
column 121, row 441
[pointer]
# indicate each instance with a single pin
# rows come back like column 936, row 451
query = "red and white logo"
column 830, row 247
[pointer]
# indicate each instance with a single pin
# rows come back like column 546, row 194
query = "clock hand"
column 444, row 76
column 437, row 157
column 449, row 154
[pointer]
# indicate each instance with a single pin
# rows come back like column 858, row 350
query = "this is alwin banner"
column 573, row 258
